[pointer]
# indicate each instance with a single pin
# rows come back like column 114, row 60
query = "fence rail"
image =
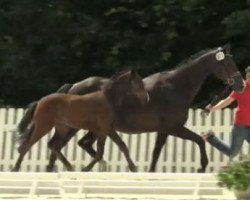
column 177, row 156
column 108, row 185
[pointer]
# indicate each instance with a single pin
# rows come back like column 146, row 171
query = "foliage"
column 236, row 29
column 47, row 43
column 236, row 176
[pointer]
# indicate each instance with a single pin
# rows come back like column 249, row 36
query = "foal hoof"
column 14, row 170
column 200, row 170
column 70, row 169
column 50, row 169
column 103, row 166
column 133, row 168
column 151, row 170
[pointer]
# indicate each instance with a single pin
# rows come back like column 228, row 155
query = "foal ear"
column 227, row 48
column 133, row 73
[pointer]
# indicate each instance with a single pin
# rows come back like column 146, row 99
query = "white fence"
column 177, row 156
column 110, row 186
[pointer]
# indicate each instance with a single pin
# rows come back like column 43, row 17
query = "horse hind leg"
column 33, row 135
column 116, row 138
column 25, row 145
column 185, row 133
column 20, row 158
column 23, row 149
column 99, row 154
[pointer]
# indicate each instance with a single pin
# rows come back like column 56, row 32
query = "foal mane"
column 113, row 78
column 119, row 73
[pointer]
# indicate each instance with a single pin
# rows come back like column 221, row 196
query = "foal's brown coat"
column 93, row 112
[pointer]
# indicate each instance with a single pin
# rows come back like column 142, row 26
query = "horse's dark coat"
column 171, row 94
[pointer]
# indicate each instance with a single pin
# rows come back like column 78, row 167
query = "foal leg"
column 99, row 153
column 86, row 143
column 22, row 151
column 160, row 141
column 56, row 143
column 36, row 133
column 116, row 138
column 185, row 133
column 62, row 135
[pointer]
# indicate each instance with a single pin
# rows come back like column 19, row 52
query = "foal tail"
column 23, row 127
column 65, row 88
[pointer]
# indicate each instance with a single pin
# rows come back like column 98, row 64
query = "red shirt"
column 242, row 114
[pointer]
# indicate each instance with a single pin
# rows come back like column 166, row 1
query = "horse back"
column 89, row 85
column 91, row 111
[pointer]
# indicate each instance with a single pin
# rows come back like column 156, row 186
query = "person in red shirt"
column 241, row 123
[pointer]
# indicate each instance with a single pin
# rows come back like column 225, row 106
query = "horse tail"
column 65, row 88
column 23, row 127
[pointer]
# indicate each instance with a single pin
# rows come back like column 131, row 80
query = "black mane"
column 190, row 59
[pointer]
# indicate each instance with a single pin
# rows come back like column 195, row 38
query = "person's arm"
column 221, row 104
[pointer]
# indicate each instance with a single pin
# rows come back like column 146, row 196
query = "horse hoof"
column 103, row 165
column 133, row 168
column 85, row 169
column 200, row 170
column 50, row 169
column 14, row 170
column 70, row 169
column 151, row 170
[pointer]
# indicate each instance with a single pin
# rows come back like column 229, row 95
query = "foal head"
column 127, row 83
column 224, row 68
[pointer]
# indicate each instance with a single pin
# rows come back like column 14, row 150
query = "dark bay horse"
column 171, row 94
column 94, row 112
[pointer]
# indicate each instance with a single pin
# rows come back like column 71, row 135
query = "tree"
column 47, row 43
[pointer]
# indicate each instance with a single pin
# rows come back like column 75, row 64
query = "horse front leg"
column 185, row 133
column 122, row 146
column 99, row 154
column 51, row 166
column 160, row 141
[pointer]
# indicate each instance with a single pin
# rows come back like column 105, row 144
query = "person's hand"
column 206, row 111
column 209, row 107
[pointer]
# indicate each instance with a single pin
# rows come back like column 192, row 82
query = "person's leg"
column 239, row 134
column 248, row 134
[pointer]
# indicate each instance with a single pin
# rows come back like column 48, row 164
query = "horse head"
column 224, row 68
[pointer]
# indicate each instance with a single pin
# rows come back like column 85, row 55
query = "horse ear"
column 227, row 48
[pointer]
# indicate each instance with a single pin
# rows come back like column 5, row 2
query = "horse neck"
column 192, row 77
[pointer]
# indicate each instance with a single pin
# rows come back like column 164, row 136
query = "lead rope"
column 205, row 112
